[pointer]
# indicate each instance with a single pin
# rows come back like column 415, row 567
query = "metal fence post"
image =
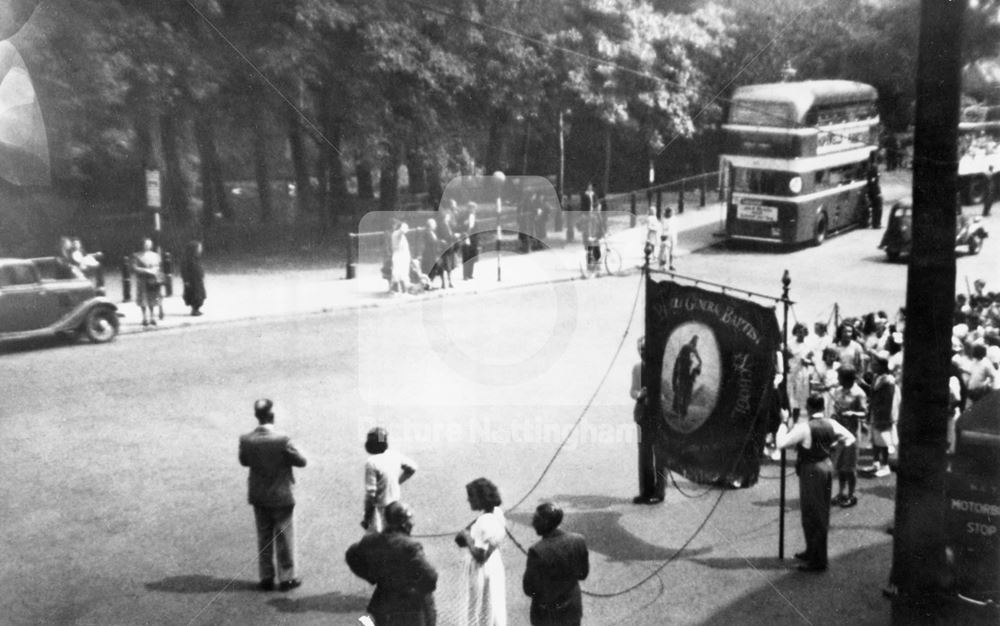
column 632, row 201
column 352, row 263
column 704, row 189
column 126, row 280
column 680, row 199
column 168, row 274
column 659, row 203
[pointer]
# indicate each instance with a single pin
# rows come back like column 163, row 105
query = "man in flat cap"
column 271, row 456
column 404, row 580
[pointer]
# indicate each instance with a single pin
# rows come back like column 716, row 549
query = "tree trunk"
column 434, row 187
column 495, row 146
column 303, row 190
column 606, row 179
column 261, row 169
column 363, row 171
column 175, row 193
column 415, row 166
column 213, row 189
column 389, row 181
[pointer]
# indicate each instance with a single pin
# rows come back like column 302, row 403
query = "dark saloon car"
column 40, row 297
column 898, row 238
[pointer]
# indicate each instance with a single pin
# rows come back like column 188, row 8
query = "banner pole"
column 786, row 281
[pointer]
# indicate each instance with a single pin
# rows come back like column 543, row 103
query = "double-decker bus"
column 978, row 151
column 795, row 159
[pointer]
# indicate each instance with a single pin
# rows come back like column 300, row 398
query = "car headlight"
column 795, row 184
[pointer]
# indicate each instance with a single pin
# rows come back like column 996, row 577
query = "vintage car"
column 40, row 297
column 970, row 231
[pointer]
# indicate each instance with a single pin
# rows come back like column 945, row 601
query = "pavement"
column 259, row 293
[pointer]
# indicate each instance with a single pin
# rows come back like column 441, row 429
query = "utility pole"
column 919, row 569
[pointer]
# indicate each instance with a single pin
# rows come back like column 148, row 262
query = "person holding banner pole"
column 814, row 437
column 652, row 486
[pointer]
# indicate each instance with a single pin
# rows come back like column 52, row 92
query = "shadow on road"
column 333, row 602
column 199, row 583
column 598, row 518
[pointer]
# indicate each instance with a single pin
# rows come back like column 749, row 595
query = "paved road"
column 125, row 504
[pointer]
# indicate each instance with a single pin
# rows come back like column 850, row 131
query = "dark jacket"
column 404, row 580
column 556, row 564
column 270, row 456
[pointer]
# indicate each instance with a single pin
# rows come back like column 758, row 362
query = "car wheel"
column 820, row 235
column 101, row 325
column 975, row 244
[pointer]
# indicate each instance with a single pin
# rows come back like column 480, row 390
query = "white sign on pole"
column 153, row 189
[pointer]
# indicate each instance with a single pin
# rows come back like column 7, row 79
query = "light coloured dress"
column 400, row 256
column 485, row 586
column 382, row 474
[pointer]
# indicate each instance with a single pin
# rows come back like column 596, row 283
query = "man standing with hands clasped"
column 556, row 565
column 270, row 456
column 813, row 437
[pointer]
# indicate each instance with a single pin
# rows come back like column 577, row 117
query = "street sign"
column 153, row 189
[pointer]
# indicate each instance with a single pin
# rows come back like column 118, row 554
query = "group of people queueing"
column 394, row 562
column 419, row 257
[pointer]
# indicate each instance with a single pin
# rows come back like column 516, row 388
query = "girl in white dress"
column 484, row 585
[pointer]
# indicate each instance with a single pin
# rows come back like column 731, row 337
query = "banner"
column 710, row 364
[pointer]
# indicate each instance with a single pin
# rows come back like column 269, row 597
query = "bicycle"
column 607, row 256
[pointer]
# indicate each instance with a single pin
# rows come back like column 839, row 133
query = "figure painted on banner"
column 470, row 241
column 404, row 579
column 687, row 367
column 814, row 436
column 148, row 272
column 385, row 471
column 400, row 263
column 850, row 406
column 652, row 486
column 668, row 239
column 193, row 277
column 270, row 455
column 484, row 587
column 556, row 565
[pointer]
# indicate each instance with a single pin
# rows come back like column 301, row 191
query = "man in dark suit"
column 270, row 456
column 556, row 565
column 393, row 562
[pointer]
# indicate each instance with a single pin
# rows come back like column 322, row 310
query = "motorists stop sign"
column 153, row 189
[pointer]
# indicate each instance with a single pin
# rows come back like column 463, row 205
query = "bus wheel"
column 820, row 235
column 975, row 189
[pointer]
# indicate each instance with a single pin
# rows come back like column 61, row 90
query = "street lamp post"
column 500, row 178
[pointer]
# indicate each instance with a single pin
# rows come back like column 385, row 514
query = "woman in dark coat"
column 193, row 276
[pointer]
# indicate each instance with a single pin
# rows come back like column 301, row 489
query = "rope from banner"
column 576, row 424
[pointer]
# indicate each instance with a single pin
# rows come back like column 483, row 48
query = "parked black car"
column 898, row 237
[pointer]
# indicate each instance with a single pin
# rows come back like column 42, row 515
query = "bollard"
column 704, row 190
column 352, row 266
column 126, row 280
column 168, row 274
column 632, row 205
column 680, row 199
column 570, row 226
